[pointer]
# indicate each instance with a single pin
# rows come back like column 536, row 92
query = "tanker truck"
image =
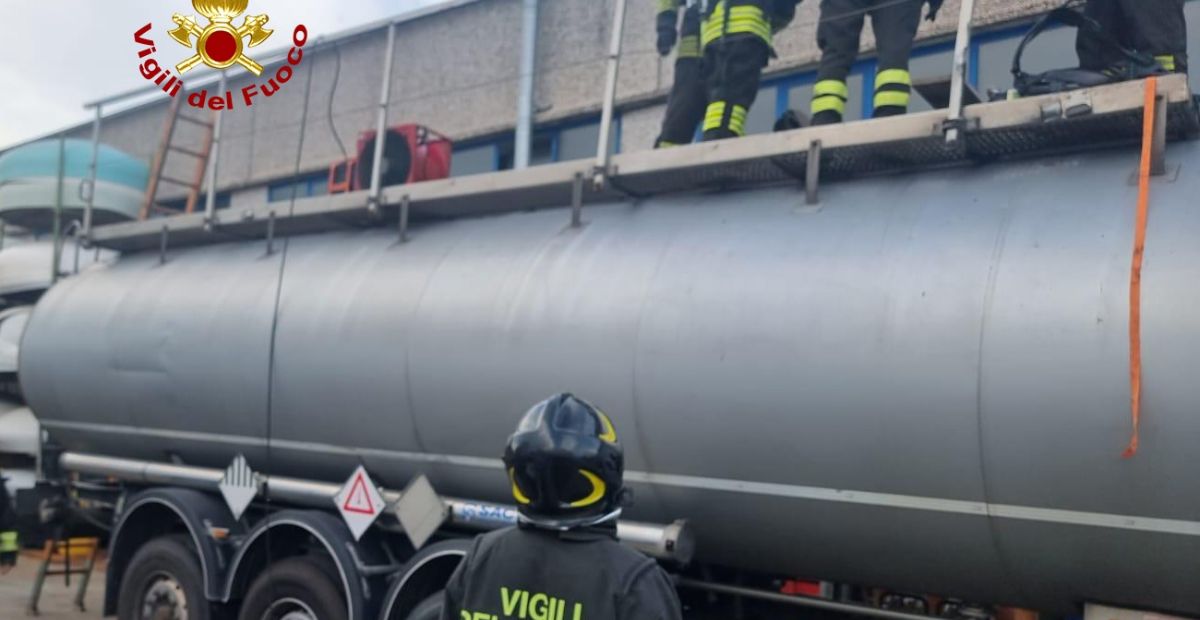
column 880, row 369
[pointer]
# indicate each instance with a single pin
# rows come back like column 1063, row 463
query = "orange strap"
column 1135, row 272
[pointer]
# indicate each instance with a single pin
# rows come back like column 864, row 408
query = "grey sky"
column 58, row 54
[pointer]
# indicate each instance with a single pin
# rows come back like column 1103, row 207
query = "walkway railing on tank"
column 952, row 128
column 602, row 169
column 143, row 96
column 958, row 73
column 958, row 82
column 210, row 176
column 610, row 96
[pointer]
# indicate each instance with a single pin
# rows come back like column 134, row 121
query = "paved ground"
column 56, row 602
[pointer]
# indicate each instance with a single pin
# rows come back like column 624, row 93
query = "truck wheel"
column 428, row 609
column 294, row 589
column 163, row 580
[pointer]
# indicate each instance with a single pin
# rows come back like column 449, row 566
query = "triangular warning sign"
column 358, row 500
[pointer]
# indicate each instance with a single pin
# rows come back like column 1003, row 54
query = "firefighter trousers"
column 1155, row 27
column 838, row 36
column 736, row 39
column 685, row 105
column 732, row 68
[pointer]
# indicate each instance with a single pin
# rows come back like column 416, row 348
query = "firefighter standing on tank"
column 685, row 106
column 736, row 39
column 1154, row 27
column 565, row 468
column 895, row 24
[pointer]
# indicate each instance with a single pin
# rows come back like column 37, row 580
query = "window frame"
column 498, row 142
column 306, row 186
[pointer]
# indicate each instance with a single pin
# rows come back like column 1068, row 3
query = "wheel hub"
column 164, row 599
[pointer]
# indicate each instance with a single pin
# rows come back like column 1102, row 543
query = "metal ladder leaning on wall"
column 166, row 146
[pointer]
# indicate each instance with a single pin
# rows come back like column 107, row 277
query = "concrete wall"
column 456, row 71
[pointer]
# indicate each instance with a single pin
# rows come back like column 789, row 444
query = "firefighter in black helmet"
column 895, row 24
column 685, row 106
column 563, row 560
column 736, row 38
column 1154, row 27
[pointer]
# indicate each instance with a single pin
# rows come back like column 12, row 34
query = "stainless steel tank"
column 922, row 383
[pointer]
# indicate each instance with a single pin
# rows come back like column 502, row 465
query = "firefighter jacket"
column 526, row 573
column 742, row 18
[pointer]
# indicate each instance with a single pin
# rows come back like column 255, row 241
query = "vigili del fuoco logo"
column 220, row 44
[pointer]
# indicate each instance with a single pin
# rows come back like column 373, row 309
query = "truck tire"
column 163, row 579
column 428, row 609
column 296, row 589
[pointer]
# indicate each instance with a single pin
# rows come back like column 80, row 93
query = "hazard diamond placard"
column 239, row 486
column 359, row 502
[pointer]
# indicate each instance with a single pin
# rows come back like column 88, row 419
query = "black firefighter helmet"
column 565, row 465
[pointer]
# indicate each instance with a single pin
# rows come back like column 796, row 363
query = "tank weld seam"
column 635, row 394
column 985, row 321
column 870, row 498
column 409, row 337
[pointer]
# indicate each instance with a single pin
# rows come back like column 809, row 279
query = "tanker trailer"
column 917, row 381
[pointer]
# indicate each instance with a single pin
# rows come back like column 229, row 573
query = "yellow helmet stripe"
column 598, row 489
column 516, row 490
column 610, row 433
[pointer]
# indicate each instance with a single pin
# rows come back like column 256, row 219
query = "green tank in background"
column 29, row 183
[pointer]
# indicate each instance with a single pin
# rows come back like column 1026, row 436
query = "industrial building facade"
column 455, row 69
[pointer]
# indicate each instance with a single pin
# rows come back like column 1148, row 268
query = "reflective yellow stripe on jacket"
column 689, row 47
column 667, row 5
column 746, row 19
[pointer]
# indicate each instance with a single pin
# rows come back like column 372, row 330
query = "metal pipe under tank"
column 667, row 542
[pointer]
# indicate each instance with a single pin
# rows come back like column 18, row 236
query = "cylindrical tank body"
column 923, row 383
